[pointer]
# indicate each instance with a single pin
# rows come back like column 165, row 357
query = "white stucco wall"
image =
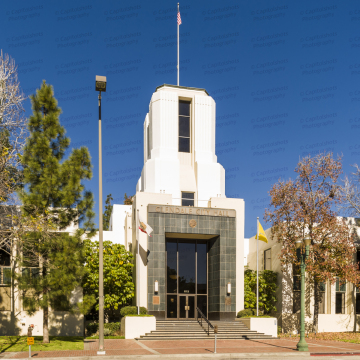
column 172, row 172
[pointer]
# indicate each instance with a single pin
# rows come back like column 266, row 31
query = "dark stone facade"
column 221, row 259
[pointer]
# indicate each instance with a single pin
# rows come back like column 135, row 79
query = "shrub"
column 245, row 312
column 92, row 328
column 107, row 332
column 113, row 327
column 110, row 329
column 132, row 310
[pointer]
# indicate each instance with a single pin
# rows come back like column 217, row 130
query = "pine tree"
column 107, row 213
column 54, row 196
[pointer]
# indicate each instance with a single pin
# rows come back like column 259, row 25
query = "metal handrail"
column 202, row 316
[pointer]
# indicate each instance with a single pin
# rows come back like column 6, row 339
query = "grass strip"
column 19, row 343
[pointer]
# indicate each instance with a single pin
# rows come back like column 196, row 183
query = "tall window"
column 296, row 288
column 322, row 298
column 340, row 296
column 184, row 126
column 357, row 306
column 187, row 199
column 357, row 301
column 267, row 259
column 5, row 279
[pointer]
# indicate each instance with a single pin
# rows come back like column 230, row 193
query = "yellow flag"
column 262, row 235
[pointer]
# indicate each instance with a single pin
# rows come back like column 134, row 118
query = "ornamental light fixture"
column 156, row 286
column 228, row 288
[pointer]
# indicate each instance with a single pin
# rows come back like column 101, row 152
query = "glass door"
column 186, row 278
column 187, row 306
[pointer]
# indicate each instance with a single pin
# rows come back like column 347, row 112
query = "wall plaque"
column 227, row 300
column 156, row 300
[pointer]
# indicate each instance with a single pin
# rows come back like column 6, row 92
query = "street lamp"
column 302, row 256
column 100, row 85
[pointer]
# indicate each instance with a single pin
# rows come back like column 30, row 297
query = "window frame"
column 340, row 291
column 265, row 252
column 189, row 118
column 188, row 199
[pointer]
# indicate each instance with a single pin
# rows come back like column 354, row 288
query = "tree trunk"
column 46, row 325
column 45, row 312
column 316, row 305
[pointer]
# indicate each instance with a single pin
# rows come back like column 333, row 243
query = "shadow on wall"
column 9, row 324
column 64, row 324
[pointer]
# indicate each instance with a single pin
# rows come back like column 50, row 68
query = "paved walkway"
column 272, row 348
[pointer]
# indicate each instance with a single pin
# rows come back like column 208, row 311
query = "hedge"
column 132, row 310
column 93, row 328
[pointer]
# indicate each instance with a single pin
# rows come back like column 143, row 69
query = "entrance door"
column 186, row 278
column 187, row 307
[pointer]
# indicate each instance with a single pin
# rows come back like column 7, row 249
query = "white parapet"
column 134, row 326
column 267, row 326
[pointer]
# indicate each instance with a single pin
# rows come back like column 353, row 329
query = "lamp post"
column 100, row 85
column 302, row 256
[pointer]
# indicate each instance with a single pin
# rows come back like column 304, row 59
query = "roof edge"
column 182, row 87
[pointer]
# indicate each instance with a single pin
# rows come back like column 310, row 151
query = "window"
column 5, row 269
column 187, row 199
column 340, row 296
column 5, row 279
column 296, row 288
column 184, row 126
column 357, row 301
column 358, row 258
column 267, row 259
column 322, row 298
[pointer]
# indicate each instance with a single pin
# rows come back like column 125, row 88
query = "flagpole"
column 137, row 265
column 178, row 51
column 257, row 267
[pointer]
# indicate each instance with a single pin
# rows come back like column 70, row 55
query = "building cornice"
column 181, row 87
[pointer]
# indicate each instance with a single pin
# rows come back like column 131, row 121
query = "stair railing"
column 199, row 317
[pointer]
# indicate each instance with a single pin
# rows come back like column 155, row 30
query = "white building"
column 197, row 247
column 14, row 320
column 340, row 307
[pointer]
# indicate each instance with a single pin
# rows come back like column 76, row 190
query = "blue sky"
column 284, row 75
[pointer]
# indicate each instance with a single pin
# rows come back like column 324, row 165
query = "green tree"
column 107, row 213
column 267, row 290
column 118, row 264
column 128, row 200
column 54, row 195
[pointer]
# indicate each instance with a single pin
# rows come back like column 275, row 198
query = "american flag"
column 178, row 18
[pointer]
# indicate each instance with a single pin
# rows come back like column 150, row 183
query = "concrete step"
column 191, row 329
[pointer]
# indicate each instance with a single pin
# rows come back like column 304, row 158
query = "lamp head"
column 100, row 83
column 298, row 243
column 307, row 241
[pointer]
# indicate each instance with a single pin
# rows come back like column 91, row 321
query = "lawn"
column 19, row 343
column 351, row 337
